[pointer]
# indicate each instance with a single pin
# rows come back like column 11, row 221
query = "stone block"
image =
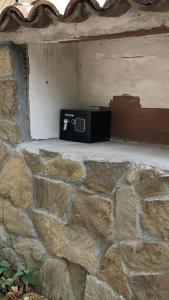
column 3, row 151
column 64, row 169
column 150, row 184
column 98, row 290
column 16, row 220
column 10, row 132
column 93, row 212
column 7, row 62
column 51, row 196
column 71, row 242
column 16, row 182
column 103, row 176
column 9, row 255
column 30, row 249
column 34, row 162
column 8, row 98
column 78, row 279
column 150, row 287
column 155, row 218
column 111, row 270
column 4, row 237
column 125, row 213
column 132, row 176
column 55, row 280
column 33, row 296
column 145, row 256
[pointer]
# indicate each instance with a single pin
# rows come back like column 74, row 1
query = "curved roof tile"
column 39, row 13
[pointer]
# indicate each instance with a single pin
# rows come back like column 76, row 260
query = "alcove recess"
column 80, row 74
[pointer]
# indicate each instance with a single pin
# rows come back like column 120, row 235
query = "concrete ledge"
column 141, row 154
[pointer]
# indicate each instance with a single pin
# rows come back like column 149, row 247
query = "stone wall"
column 13, row 95
column 97, row 230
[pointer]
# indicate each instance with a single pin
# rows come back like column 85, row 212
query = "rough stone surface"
column 16, row 182
column 10, row 132
column 132, row 176
column 3, row 151
column 78, row 279
column 9, row 255
column 64, row 169
column 7, row 63
column 51, row 196
column 55, row 280
column 93, row 212
column 150, row 287
column 16, row 220
column 103, row 176
column 125, row 213
column 155, row 218
column 150, row 184
column 4, row 237
column 33, row 296
column 8, row 98
column 48, row 154
column 34, row 162
column 31, row 250
column 111, row 270
column 98, row 290
column 71, row 242
column 145, row 256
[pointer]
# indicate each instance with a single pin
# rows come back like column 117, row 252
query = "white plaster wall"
column 52, row 86
column 136, row 66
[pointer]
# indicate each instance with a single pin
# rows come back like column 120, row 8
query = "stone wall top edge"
column 135, row 155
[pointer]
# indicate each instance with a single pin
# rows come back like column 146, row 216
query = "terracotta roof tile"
column 40, row 13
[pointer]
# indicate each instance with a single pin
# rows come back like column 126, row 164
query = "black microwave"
column 85, row 125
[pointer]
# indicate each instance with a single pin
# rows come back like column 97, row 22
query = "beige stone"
column 145, row 256
column 10, row 132
column 111, row 270
column 9, row 255
column 51, row 196
column 7, row 62
column 34, row 162
column 103, row 176
column 98, row 290
column 8, row 98
column 132, row 176
column 16, row 182
column 3, row 151
column 48, row 154
column 155, row 218
column 150, row 287
column 71, row 242
column 78, row 279
column 150, row 184
column 33, row 296
column 64, row 169
column 125, row 213
column 55, row 280
column 93, row 212
column 4, row 237
column 30, row 249
column 16, row 220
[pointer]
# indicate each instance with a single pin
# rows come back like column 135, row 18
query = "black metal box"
column 85, row 125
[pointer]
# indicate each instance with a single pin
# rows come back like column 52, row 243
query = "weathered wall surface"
column 137, row 66
column 96, row 229
column 14, row 121
column 53, row 85
column 132, row 21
